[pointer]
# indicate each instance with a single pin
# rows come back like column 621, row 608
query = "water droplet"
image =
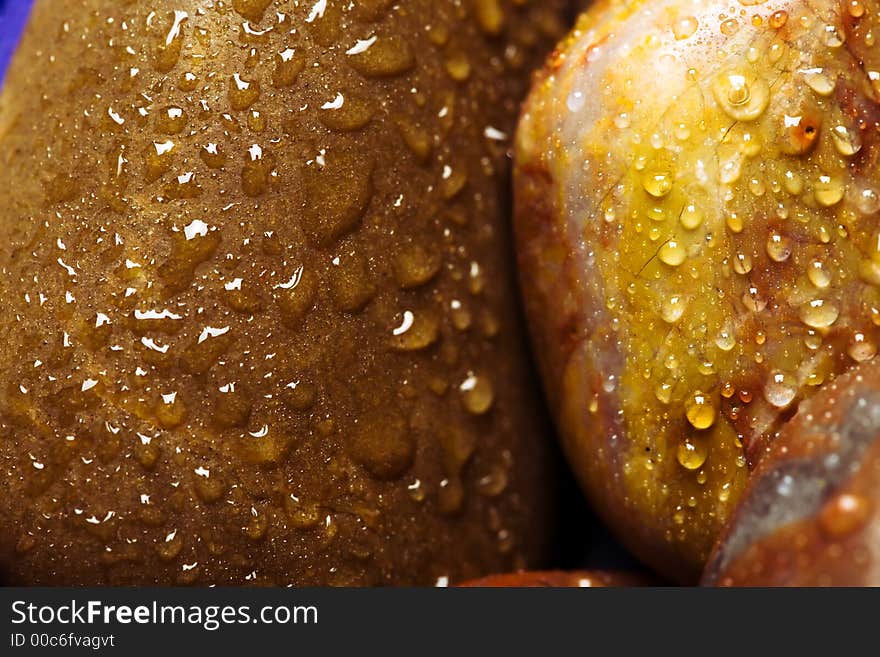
column 753, row 300
column 353, row 113
column 490, row 16
column 812, row 340
column 868, row 201
column 167, row 53
column 706, row 368
column 170, row 411
column 458, row 66
column 351, row 286
column 692, row 217
column 387, row 57
column 242, row 93
column 818, row 274
column 832, row 36
column 213, row 156
column 672, row 253
column 673, row 308
column 301, row 514
column 657, row 214
column 742, row 263
column 685, row 28
column 828, row 191
column 663, row 392
column 729, row 27
column 692, row 453
column 778, row 19
column 296, row 298
column 819, row 313
column 725, row 340
column 657, row 185
column 700, row 411
column 337, row 195
column 382, row 443
column 251, row 10
column 257, row 525
column 731, row 169
column 171, row 120
column 741, row 96
column 209, row 487
column 844, row 514
column 819, row 81
column 288, row 65
column 778, row 247
column 159, row 159
column 846, row 141
column 780, row 389
column 170, row 547
column 415, row 331
column 794, row 184
column 776, row 51
column 415, row 266
column 861, row 348
column 576, row 101
column 477, row 394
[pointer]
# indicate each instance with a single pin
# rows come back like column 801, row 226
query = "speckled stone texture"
column 809, row 516
column 259, row 320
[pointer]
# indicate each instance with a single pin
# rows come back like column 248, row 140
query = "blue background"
column 13, row 14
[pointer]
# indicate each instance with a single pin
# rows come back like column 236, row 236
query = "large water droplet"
column 828, row 191
column 692, row 217
column 819, row 313
column 819, row 274
column 848, row 142
column 780, row 389
column 741, row 96
column 672, row 308
column 819, row 81
column 778, row 247
column 672, row 253
column 657, row 184
column 700, row 411
column 685, row 28
column 861, row 348
column 691, row 454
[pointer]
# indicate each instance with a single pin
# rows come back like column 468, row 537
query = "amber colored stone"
column 696, row 212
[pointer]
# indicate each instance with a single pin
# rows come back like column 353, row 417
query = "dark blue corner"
column 13, row 15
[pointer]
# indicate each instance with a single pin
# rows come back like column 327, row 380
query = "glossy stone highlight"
column 696, row 189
